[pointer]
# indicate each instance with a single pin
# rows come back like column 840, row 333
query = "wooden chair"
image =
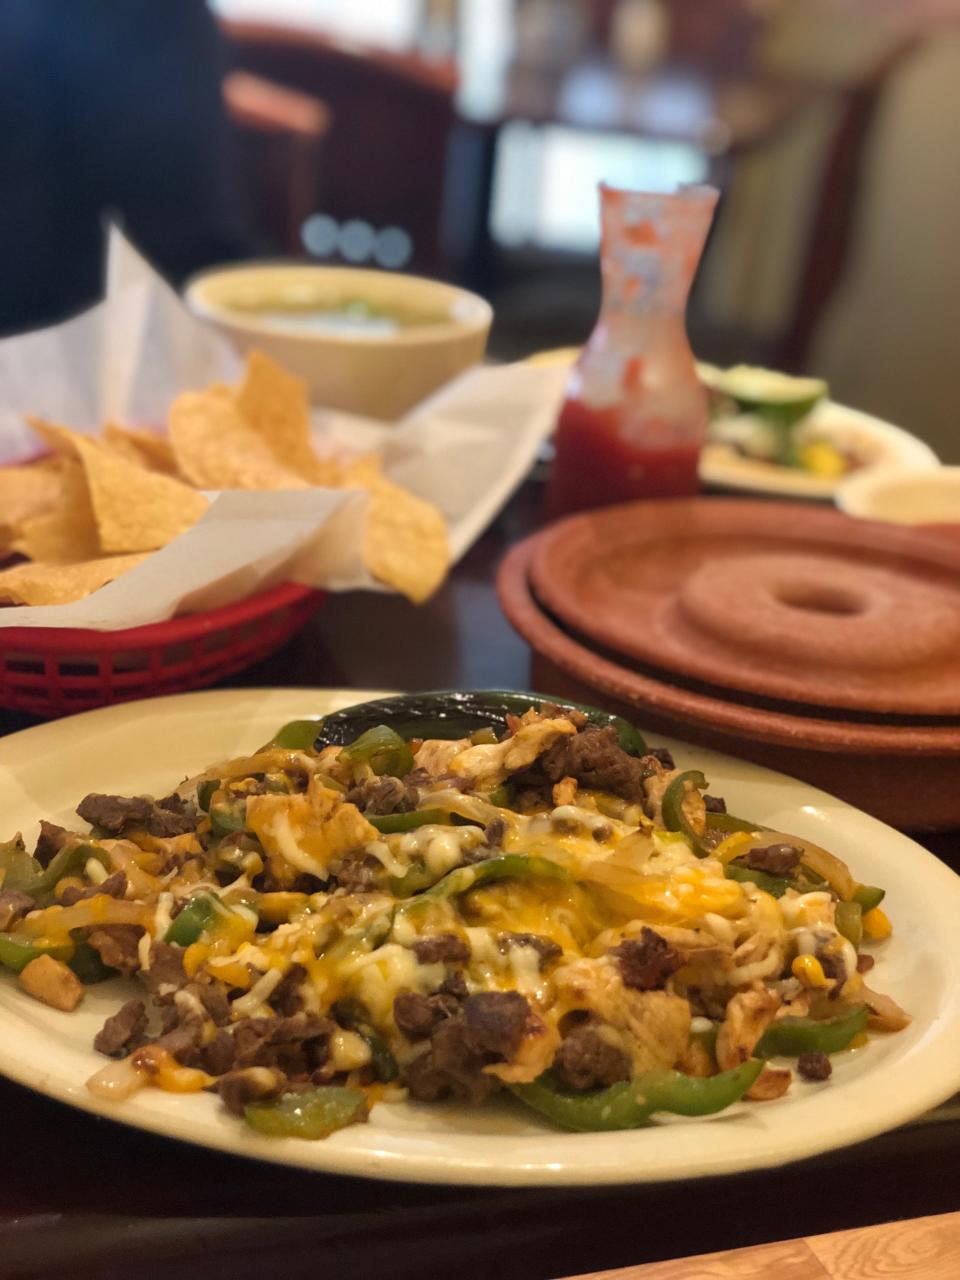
column 281, row 135
column 386, row 150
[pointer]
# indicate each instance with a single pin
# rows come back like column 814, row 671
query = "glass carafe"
column 635, row 415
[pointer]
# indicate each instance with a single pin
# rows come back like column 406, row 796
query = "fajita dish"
column 450, row 895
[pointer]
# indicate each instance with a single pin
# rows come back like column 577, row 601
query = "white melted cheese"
column 803, row 909
column 380, row 850
column 162, row 915
column 290, row 851
column 95, row 870
column 254, row 1002
column 529, row 981
column 379, row 976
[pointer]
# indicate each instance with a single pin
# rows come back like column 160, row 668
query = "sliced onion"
column 117, row 1080
column 835, row 872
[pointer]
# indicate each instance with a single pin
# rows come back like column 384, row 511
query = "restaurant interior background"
column 465, row 139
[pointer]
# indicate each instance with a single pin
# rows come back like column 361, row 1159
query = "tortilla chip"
column 146, row 447
column 216, row 448
column 61, row 583
column 136, row 509
column 68, row 532
column 60, row 439
column 405, row 542
column 274, row 403
column 28, row 491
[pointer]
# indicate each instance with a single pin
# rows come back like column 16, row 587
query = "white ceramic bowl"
column 380, row 375
column 927, row 496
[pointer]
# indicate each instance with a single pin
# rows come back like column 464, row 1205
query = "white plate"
column 149, row 746
column 886, row 446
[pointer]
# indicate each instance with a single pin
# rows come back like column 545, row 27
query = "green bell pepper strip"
column 728, row 823
column 789, row 1037
column 776, row 886
column 868, row 896
column 298, row 735
column 708, row 1039
column 503, row 795
column 414, row 880
column 353, row 1017
column 674, row 818
column 87, row 963
column 195, row 919
column 206, row 791
column 71, row 859
column 849, row 922
column 17, row 868
column 391, row 823
column 16, row 952
column 508, row 866
column 226, row 818
column 382, row 749
column 485, row 737
column 631, row 1103
column 314, row 1113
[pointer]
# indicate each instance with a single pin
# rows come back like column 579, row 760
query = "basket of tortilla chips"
column 94, row 507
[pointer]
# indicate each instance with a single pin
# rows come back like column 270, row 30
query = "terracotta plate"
column 772, row 599
column 907, row 774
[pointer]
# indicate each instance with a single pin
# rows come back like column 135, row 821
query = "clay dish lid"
column 772, row 599
column 782, row 724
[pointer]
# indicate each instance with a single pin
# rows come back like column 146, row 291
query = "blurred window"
column 545, row 182
column 391, row 24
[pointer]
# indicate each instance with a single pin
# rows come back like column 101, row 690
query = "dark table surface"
column 84, row 1197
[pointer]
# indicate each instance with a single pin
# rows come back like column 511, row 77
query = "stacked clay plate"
column 818, row 645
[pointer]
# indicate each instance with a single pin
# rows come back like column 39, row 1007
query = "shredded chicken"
column 306, row 832
column 565, row 791
column 657, row 1023
column 885, row 1013
column 693, row 807
column 435, row 754
column 489, row 765
column 748, row 1015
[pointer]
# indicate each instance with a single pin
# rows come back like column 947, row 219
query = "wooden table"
column 87, row 1199
column 922, row 1249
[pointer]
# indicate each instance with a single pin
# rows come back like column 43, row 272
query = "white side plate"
column 150, row 746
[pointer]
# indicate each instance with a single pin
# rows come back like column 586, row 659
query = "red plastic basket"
column 52, row 672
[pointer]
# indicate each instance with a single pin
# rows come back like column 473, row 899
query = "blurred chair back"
column 834, row 218
column 386, row 151
column 281, row 135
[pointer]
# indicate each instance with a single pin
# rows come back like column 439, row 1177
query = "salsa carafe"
column 635, row 415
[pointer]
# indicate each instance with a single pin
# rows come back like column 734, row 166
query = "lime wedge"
column 777, row 397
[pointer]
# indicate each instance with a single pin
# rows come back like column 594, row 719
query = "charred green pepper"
column 382, row 749
column 16, row 952
column 17, row 868
column 227, row 816
column 391, row 823
column 507, row 866
column 206, row 791
column 352, row 1015
column 631, row 1103
column 87, row 963
column 313, row 1113
column 849, row 921
column 459, row 714
column 868, row 896
column 298, row 735
column 195, row 919
column 790, row 1037
column 70, row 860
column 776, row 886
column 671, row 806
